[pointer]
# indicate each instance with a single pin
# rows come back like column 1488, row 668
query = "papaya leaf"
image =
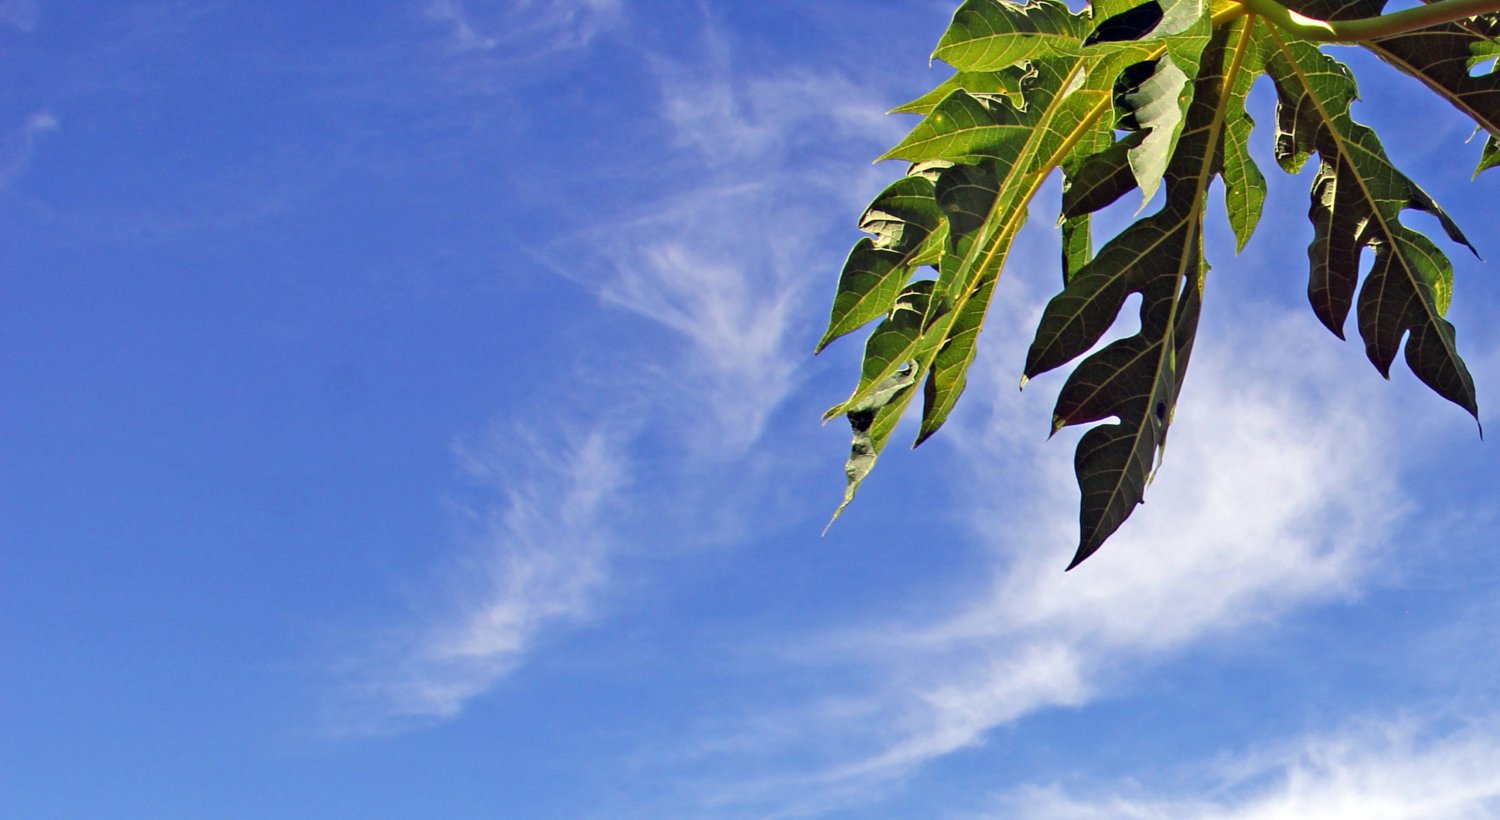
column 1147, row 95
column 1361, row 210
column 910, row 230
column 1077, row 245
column 1445, row 57
column 1003, row 153
column 1244, row 185
column 1138, row 379
column 1005, row 84
column 989, row 36
column 1408, row 291
column 1100, row 178
column 1490, row 156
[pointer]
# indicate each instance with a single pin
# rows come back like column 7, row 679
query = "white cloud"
column 16, row 155
column 720, row 254
column 1277, row 492
column 1274, row 494
column 719, row 264
column 523, row 30
column 540, row 555
column 1380, row 771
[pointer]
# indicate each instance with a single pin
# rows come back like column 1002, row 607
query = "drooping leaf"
column 1366, row 195
column 1004, row 152
column 1146, row 94
column 1333, row 256
column 873, row 418
column 1445, row 57
column 1408, row 291
column 1244, row 185
column 1137, row 380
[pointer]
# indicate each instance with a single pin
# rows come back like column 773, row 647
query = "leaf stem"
column 1369, row 28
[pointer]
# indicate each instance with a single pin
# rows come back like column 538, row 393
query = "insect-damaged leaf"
column 910, row 230
column 873, row 417
column 984, row 85
column 1148, row 95
column 989, row 36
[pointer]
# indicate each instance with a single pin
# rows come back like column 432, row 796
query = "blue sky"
column 408, row 412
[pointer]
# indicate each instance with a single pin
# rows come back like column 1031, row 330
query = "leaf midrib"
column 1359, row 178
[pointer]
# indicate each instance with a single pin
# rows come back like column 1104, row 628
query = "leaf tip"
column 1079, row 557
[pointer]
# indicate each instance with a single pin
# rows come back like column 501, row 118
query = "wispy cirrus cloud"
column 524, row 30
column 712, row 260
column 1383, row 770
column 1277, row 493
column 535, row 560
column 16, row 152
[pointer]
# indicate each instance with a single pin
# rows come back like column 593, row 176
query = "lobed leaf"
column 1138, row 379
column 1357, row 202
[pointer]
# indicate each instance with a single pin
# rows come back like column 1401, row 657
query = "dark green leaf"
column 1366, row 195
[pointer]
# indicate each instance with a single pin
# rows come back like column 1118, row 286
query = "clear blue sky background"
column 406, row 410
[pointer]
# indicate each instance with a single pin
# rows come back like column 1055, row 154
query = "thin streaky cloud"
column 1381, row 770
column 17, row 154
column 538, row 561
column 523, row 30
column 1277, row 494
column 685, row 262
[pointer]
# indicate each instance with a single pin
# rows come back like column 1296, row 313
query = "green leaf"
column 1153, row 102
column 1443, row 57
column 1149, row 95
column 1077, row 245
column 1154, row 95
column 1490, row 156
column 873, row 421
column 906, row 218
column 1060, row 111
column 989, row 35
column 887, row 382
column 1408, row 291
column 1333, row 256
column 1138, row 379
column 897, row 341
column 1358, row 199
column 1244, row 185
column 910, row 230
column 1005, row 83
column 950, row 369
column 1101, row 178
column 965, row 128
